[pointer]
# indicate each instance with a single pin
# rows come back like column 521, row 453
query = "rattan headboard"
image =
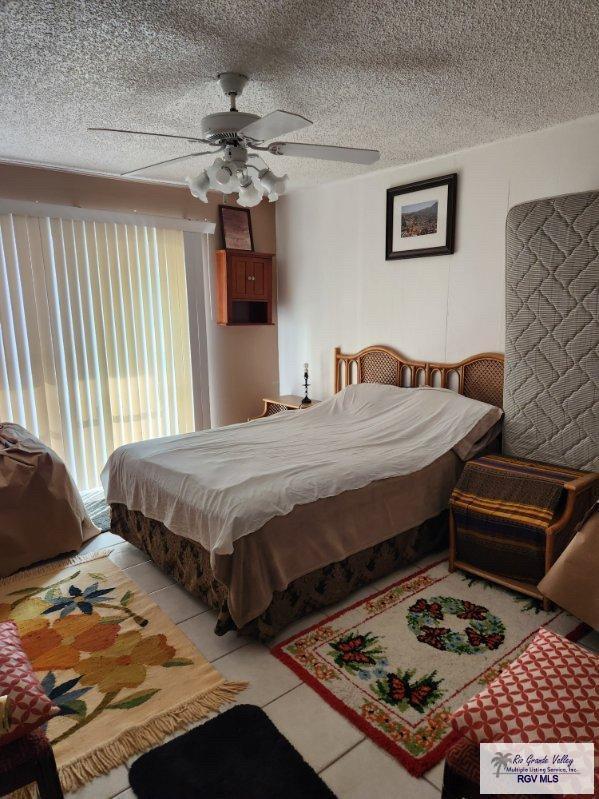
column 479, row 377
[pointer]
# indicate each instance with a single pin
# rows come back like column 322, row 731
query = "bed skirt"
column 188, row 563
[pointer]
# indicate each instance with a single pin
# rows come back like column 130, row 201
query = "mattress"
column 551, row 390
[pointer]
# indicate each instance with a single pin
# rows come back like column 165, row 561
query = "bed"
column 309, row 532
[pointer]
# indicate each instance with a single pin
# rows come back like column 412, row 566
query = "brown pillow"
column 481, row 435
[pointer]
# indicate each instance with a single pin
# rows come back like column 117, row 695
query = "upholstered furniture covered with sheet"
column 573, row 581
column 552, row 331
column 41, row 512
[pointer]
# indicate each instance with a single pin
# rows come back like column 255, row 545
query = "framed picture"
column 236, row 224
column 421, row 218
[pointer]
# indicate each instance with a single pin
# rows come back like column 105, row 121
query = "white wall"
column 337, row 289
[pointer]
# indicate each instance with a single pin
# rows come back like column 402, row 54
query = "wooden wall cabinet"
column 244, row 287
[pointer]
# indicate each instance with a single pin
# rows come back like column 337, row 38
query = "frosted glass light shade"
column 222, row 176
column 199, row 186
column 249, row 196
column 272, row 183
column 219, row 179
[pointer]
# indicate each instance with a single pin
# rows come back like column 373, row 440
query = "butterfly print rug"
column 399, row 662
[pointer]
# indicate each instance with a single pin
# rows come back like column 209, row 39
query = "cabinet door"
column 259, row 277
column 241, row 285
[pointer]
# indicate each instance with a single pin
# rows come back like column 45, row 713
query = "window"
column 94, row 335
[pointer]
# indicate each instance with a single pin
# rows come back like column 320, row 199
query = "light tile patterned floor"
column 349, row 762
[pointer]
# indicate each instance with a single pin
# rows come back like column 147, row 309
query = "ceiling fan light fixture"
column 235, row 132
column 223, row 175
column 273, row 184
column 199, row 186
column 248, row 195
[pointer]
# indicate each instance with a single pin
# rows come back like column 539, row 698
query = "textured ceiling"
column 414, row 78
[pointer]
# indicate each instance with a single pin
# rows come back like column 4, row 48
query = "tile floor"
column 347, row 760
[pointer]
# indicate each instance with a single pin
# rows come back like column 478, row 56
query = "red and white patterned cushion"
column 549, row 694
column 28, row 705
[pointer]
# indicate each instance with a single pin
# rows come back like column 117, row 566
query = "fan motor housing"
column 224, row 125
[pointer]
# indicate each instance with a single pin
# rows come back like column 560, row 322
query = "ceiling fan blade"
column 277, row 123
column 168, row 161
column 326, row 152
column 149, row 133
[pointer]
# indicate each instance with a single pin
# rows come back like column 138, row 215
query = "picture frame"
column 236, row 225
column 421, row 218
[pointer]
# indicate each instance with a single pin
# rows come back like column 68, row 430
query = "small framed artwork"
column 421, row 218
column 236, row 224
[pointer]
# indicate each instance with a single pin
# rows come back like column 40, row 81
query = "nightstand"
column 286, row 402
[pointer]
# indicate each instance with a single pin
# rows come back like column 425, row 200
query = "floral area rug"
column 122, row 673
column 398, row 663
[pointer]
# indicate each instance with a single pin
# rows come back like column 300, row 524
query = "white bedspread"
column 216, row 486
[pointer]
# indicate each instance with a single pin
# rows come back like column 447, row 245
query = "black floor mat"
column 240, row 754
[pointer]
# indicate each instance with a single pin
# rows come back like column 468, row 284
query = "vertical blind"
column 94, row 335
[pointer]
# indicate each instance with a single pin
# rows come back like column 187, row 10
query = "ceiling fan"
column 233, row 133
